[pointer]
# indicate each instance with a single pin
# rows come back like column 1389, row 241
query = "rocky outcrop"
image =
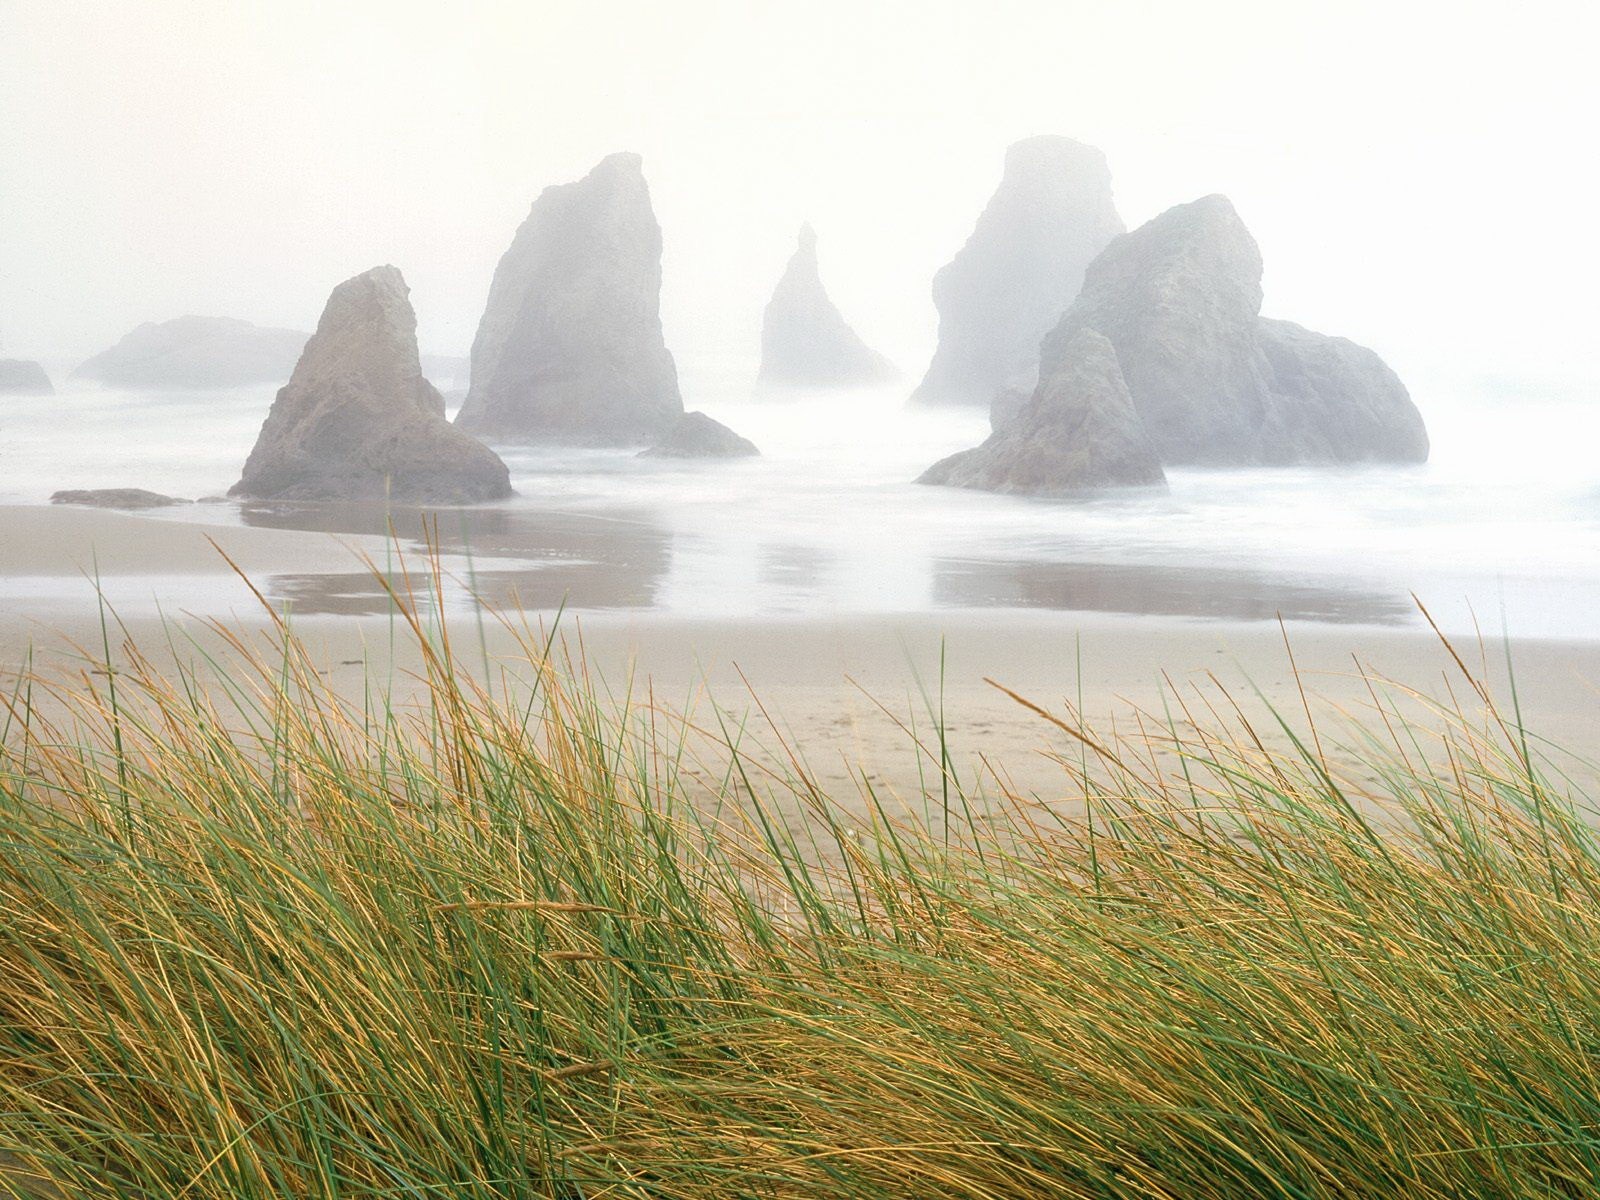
column 1078, row 432
column 1180, row 299
column 115, row 498
column 1019, row 270
column 197, row 352
column 358, row 421
column 805, row 341
column 695, row 435
column 1176, row 306
column 1336, row 401
column 570, row 347
column 21, row 377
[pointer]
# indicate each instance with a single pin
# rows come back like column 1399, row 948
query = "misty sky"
column 1421, row 176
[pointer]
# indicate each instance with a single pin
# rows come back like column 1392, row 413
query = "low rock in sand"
column 115, row 498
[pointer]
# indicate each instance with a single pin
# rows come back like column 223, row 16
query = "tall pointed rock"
column 1021, row 268
column 570, row 348
column 357, row 420
column 805, row 341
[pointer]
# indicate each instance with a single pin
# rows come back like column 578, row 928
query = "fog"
column 1420, row 176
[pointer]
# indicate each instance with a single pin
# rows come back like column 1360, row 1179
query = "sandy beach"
column 63, row 541
column 844, row 692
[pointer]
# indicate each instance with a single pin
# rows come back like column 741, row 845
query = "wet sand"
column 67, row 541
column 840, row 690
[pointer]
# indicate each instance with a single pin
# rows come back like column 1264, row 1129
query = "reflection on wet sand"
column 526, row 558
column 562, row 559
column 1220, row 593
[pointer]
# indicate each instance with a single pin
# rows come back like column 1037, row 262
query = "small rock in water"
column 696, row 435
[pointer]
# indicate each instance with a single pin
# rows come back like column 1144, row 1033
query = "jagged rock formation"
column 197, row 352
column 21, row 377
column 115, row 498
column 1078, row 432
column 1176, row 306
column 695, row 435
column 1022, row 266
column 570, row 347
column 1180, row 300
column 358, row 421
column 805, row 340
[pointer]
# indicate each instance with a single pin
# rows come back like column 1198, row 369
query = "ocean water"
column 1500, row 528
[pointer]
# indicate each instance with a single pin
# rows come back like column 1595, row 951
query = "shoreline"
column 843, row 687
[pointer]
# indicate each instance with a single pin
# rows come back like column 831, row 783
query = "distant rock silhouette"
column 358, row 421
column 1175, row 307
column 570, row 347
column 695, row 435
column 115, row 498
column 1021, row 268
column 1180, row 300
column 1079, row 431
column 805, row 341
column 197, row 352
column 21, row 377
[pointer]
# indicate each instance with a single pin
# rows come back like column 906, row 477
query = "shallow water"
column 1503, row 525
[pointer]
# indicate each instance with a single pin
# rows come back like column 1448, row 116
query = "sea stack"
column 805, row 340
column 357, row 421
column 1021, row 268
column 570, row 347
column 23, row 377
column 1175, row 308
column 1078, row 432
column 1216, row 385
column 197, row 352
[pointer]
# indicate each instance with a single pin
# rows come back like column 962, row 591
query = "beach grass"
column 258, row 939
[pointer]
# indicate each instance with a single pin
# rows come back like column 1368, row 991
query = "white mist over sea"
column 1502, row 526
